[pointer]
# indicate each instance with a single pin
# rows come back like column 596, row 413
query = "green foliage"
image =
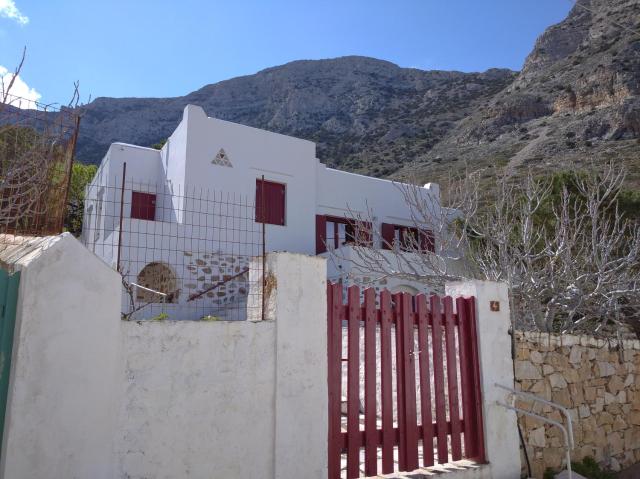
column 209, row 318
column 160, row 317
column 15, row 141
column 81, row 176
column 628, row 201
column 159, row 145
column 590, row 469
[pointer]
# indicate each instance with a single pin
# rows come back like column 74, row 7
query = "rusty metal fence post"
column 264, row 254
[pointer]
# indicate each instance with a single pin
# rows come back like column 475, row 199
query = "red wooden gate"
column 421, row 382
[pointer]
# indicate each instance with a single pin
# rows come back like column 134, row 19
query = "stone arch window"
column 158, row 277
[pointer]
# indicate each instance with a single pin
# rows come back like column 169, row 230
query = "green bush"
column 590, row 469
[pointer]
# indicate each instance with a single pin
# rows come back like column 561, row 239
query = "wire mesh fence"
column 183, row 252
column 37, row 143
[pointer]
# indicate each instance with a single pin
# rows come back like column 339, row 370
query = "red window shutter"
column 388, row 234
column 143, row 206
column 273, row 196
column 427, row 241
column 321, row 234
column 276, row 203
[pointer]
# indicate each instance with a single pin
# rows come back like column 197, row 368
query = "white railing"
column 566, row 431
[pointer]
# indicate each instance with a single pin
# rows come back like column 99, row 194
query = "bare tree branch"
column 570, row 257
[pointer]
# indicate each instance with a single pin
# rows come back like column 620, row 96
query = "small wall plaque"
column 494, row 305
column 222, row 159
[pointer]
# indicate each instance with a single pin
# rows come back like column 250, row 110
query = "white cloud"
column 26, row 96
column 8, row 9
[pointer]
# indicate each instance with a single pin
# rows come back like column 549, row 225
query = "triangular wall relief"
column 222, row 159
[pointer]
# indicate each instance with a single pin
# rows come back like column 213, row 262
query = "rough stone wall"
column 203, row 270
column 598, row 381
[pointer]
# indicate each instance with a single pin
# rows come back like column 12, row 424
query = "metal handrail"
column 217, row 285
column 566, row 431
column 533, row 397
column 150, row 290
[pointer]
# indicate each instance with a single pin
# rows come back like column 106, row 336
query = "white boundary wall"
column 64, row 372
column 231, row 399
column 92, row 396
column 95, row 397
column 198, row 399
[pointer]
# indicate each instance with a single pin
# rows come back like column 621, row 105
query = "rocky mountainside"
column 365, row 114
column 577, row 97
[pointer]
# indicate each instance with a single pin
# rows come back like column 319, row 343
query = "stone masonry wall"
column 598, row 380
column 203, row 270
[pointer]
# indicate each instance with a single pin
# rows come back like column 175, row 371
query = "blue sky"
column 168, row 48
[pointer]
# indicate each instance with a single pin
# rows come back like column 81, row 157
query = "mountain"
column 577, row 97
column 365, row 114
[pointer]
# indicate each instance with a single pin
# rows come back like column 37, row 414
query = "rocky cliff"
column 577, row 98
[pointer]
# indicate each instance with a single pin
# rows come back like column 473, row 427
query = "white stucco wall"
column 231, row 399
column 344, row 194
column 494, row 344
column 64, row 378
column 301, row 373
column 253, row 153
column 199, row 400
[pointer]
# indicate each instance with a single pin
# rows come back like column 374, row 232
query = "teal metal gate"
column 8, row 299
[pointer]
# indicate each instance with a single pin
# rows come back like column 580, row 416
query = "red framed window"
column 143, row 206
column 333, row 232
column 407, row 238
column 270, row 202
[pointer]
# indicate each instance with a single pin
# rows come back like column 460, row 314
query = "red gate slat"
column 466, row 379
column 388, row 438
column 334, row 329
column 353, row 383
column 425, row 381
column 408, row 432
column 475, row 358
column 452, row 380
column 438, row 373
column 396, row 434
column 409, row 372
column 400, row 396
column 371, row 460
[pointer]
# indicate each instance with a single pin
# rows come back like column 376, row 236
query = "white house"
column 308, row 207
